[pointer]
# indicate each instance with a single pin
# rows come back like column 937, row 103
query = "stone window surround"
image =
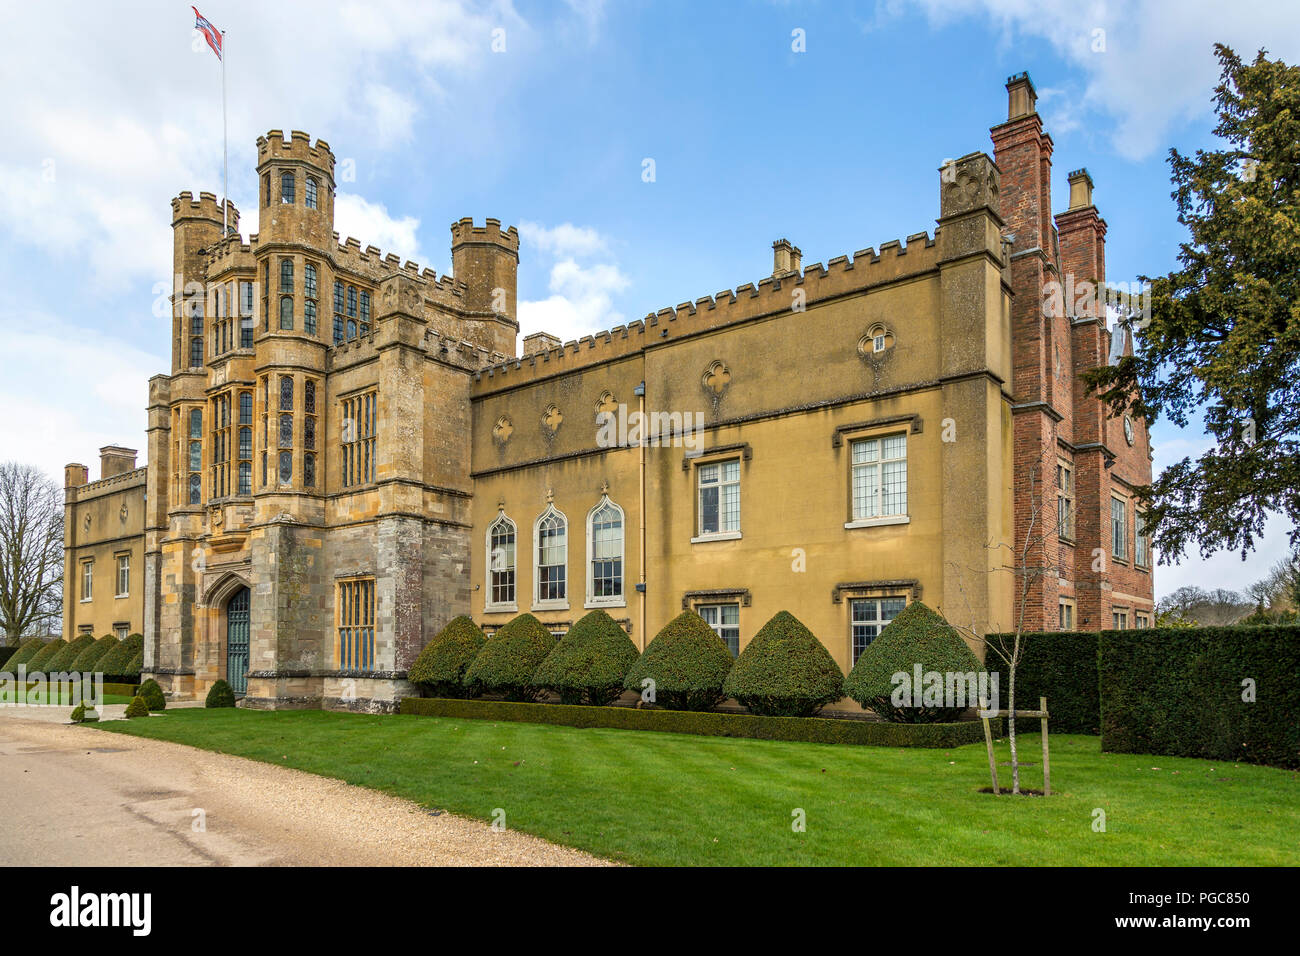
column 591, row 600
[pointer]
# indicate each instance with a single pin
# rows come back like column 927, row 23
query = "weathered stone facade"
column 327, row 488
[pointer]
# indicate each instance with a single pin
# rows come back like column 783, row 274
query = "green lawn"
column 653, row 798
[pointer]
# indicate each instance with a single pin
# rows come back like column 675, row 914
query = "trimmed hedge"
column 817, row 730
column 785, row 671
column 152, row 694
column 1058, row 665
column 116, row 663
column 42, row 657
column 688, row 663
column 7, row 651
column 510, row 657
column 1178, row 691
column 440, row 668
column 918, row 635
column 137, row 707
column 80, row 715
column 589, row 663
column 62, row 661
column 23, row 653
column 87, row 662
column 221, row 694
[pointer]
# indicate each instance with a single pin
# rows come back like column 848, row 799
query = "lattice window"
column 357, row 435
column 879, row 477
column 719, row 497
column 356, row 624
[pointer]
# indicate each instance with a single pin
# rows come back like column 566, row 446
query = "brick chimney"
column 115, row 460
column 787, row 259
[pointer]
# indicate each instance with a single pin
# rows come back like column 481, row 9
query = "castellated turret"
column 295, row 189
column 196, row 229
column 486, row 259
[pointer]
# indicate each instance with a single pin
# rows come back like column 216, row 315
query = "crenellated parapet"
column 843, row 275
column 273, row 147
column 464, row 232
column 207, row 209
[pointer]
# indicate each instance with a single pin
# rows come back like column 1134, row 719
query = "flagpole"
column 225, row 149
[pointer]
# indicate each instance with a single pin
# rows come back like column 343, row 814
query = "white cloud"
column 582, row 292
column 564, row 240
column 87, row 403
column 1156, row 67
column 372, row 225
column 122, row 143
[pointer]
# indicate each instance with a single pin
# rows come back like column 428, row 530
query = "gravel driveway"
column 78, row 796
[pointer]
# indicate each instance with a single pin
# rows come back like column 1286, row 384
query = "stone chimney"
column 1080, row 189
column 115, row 460
column 75, row 475
column 787, row 259
column 540, row 342
column 1022, row 99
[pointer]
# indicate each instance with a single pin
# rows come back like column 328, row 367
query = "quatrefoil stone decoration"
column 717, row 377
column 552, row 418
column 503, row 429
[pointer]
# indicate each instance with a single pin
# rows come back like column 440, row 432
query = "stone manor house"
column 349, row 451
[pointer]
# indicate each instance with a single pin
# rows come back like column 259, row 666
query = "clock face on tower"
column 1128, row 429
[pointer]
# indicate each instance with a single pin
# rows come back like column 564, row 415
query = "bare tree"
column 31, row 551
column 1217, row 608
column 1028, row 563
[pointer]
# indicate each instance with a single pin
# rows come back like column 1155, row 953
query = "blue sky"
column 835, row 148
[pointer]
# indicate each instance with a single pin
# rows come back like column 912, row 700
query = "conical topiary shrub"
column 510, row 657
column 116, row 663
column 785, row 671
column 26, row 651
column 589, row 663
column 132, row 672
column 688, row 663
column 152, row 694
column 221, row 694
column 87, row 662
column 61, row 663
column 439, row 671
column 137, row 707
column 917, row 636
column 42, row 657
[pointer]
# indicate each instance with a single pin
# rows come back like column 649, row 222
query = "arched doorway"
column 237, row 642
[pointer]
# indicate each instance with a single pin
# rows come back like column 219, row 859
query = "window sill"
column 118, row 597
column 592, row 605
column 716, row 536
column 550, row 606
column 500, row 608
column 89, row 600
column 878, row 522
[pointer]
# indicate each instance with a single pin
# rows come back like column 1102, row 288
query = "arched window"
column 286, row 275
column 309, row 193
column 551, row 560
column 246, row 408
column 286, row 312
column 501, row 564
column 605, row 554
column 286, row 188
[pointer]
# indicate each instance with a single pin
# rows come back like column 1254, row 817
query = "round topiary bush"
column 137, row 707
column 917, row 636
column 589, row 663
column 132, row 672
column 43, row 656
column 26, row 650
column 152, row 695
column 116, row 663
column 440, row 669
column 62, row 661
column 220, row 695
column 688, row 663
column 510, row 657
column 87, row 662
column 81, row 714
column 785, row 671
